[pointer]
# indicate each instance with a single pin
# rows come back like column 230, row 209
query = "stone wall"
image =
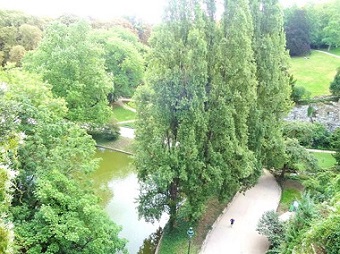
column 327, row 114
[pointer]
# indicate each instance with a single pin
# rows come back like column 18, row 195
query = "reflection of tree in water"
column 150, row 244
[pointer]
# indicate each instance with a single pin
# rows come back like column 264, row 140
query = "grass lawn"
column 315, row 73
column 291, row 190
column 121, row 114
column 325, row 160
column 335, row 51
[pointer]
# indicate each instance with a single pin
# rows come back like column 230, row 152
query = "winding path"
column 327, row 53
column 246, row 209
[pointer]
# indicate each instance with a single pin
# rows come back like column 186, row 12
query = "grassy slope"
column 315, row 73
column 121, row 114
column 325, row 160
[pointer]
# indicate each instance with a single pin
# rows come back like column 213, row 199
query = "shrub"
column 104, row 132
column 299, row 93
column 335, row 85
column 313, row 135
column 271, row 227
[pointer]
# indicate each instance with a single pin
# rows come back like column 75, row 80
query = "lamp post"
column 190, row 234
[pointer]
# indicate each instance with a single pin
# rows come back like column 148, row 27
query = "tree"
column 335, row 84
column 297, row 156
column 9, row 140
column 171, row 126
column 270, row 226
column 331, row 32
column 273, row 89
column 194, row 112
column 54, row 209
column 29, row 36
column 297, row 31
column 16, row 54
column 232, row 96
column 123, row 60
column 74, row 66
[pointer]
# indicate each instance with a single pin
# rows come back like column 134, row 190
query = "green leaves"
column 68, row 59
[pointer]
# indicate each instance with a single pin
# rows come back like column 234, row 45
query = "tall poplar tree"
column 171, row 123
column 273, row 90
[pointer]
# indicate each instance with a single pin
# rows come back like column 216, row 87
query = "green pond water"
column 116, row 183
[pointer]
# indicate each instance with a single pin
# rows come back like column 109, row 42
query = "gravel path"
column 246, row 209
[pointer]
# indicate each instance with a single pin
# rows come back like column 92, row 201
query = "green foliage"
column 123, row 59
column 69, row 61
column 53, row 209
column 106, row 132
column 299, row 93
column 313, row 135
column 299, row 225
column 314, row 73
column 335, row 143
column 270, row 226
column 335, row 84
column 273, row 88
column 288, row 196
column 297, row 31
column 296, row 155
column 18, row 29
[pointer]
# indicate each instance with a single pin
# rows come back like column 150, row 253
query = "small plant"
column 271, row 227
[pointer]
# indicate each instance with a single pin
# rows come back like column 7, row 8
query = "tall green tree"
column 74, row 66
column 124, row 59
column 273, row 89
column 171, row 126
column 235, row 86
column 297, row 31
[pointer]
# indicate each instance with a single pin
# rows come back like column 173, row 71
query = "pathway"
column 321, row 151
column 327, row 53
column 127, row 132
column 246, row 209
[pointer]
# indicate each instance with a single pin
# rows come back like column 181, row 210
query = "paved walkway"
column 327, row 53
column 246, row 209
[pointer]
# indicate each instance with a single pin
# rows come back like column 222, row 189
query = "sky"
column 148, row 10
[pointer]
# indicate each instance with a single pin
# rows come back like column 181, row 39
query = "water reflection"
column 116, row 183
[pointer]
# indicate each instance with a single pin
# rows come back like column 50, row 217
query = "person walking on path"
column 232, row 222
column 244, row 239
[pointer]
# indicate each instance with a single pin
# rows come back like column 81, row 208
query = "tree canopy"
column 210, row 116
column 53, row 208
column 72, row 63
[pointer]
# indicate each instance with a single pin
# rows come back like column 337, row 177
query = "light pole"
column 190, row 234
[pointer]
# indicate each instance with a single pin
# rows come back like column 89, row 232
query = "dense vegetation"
column 211, row 96
column 210, row 117
column 313, row 26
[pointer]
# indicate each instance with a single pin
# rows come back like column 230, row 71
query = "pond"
column 116, row 183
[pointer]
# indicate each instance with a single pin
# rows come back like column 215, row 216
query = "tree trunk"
column 173, row 202
column 284, row 170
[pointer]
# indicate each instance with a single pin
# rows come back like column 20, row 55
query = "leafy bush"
column 314, row 135
column 271, row 227
column 104, row 132
column 335, row 85
column 299, row 93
